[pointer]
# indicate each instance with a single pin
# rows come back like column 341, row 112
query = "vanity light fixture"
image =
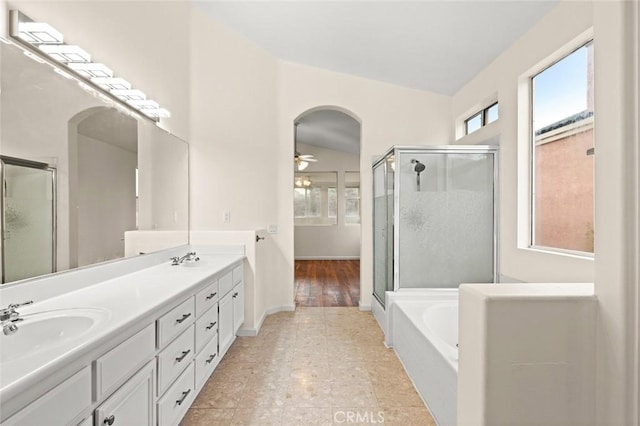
column 112, row 83
column 46, row 42
column 39, row 33
column 91, row 70
column 65, row 53
column 129, row 94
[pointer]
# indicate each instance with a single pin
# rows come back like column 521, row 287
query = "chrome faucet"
column 9, row 317
column 189, row 257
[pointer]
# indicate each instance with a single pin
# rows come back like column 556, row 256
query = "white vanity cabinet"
column 153, row 376
column 238, row 306
column 133, row 403
column 231, row 308
column 225, row 317
column 65, row 404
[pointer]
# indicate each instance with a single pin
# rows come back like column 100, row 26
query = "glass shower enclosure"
column 435, row 219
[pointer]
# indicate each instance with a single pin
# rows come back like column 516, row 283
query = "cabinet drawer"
column 133, row 403
column 206, row 298
column 175, row 403
column 65, row 404
column 176, row 321
column 86, row 422
column 206, row 327
column 206, row 362
column 238, row 274
column 119, row 363
column 225, row 283
column 174, row 358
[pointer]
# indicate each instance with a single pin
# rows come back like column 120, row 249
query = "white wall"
column 500, row 81
column 339, row 241
column 389, row 115
column 616, row 253
column 616, row 200
column 106, row 176
column 163, row 180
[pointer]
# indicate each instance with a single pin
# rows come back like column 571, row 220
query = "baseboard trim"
column 364, row 307
column 327, row 257
column 252, row 332
column 281, row 308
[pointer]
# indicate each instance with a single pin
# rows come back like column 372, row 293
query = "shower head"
column 419, row 167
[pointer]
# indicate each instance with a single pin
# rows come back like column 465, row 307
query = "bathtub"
column 423, row 330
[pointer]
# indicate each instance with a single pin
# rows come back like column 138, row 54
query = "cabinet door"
column 62, row 405
column 225, row 323
column 133, row 403
column 238, row 306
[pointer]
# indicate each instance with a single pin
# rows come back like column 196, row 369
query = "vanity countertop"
column 127, row 304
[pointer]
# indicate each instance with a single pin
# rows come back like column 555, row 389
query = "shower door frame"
column 13, row 161
column 444, row 149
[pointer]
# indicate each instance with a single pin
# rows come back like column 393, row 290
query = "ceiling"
column 329, row 129
column 430, row 45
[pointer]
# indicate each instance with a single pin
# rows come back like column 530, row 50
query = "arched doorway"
column 327, row 232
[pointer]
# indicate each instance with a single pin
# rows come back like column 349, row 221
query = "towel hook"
column 258, row 238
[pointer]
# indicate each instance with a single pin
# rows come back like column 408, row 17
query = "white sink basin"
column 192, row 263
column 44, row 331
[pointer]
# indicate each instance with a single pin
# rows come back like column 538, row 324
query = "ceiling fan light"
column 302, row 165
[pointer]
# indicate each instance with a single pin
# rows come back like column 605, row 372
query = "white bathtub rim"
column 449, row 354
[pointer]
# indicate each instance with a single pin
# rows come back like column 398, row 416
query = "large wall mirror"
column 78, row 171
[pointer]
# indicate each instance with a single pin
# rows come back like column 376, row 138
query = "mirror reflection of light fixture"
column 303, row 181
column 91, row 70
column 392, row 162
column 44, row 40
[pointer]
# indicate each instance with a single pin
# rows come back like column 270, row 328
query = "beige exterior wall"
column 563, row 200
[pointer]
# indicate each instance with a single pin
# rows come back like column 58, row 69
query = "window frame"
column 484, row 116
column 548, row 63
column 320, row 183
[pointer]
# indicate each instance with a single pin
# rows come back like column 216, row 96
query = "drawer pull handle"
column 211, row 358
column 183, row 397
column 211, row 296
column 184, row 317
column 235, row 294
column 210, row 326
column 183, row 356
column 109, row 420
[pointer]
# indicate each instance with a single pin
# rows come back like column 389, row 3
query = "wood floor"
column 327, row 283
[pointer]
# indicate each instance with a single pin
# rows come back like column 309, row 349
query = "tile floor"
column 314, row 366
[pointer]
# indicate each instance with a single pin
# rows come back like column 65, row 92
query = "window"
column 352, row 197
column 332, row 200
column 562, row 154
column 352, row 205
column 315, row 198
column 481, row 118
column 306, row 202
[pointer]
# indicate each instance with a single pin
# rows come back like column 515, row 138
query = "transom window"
column 481, row 118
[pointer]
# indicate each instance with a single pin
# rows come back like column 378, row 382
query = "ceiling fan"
column 301, row 160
